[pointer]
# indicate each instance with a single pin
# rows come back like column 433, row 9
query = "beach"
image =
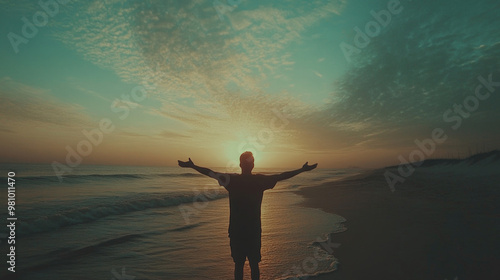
column 442, row 222
column 154, row 223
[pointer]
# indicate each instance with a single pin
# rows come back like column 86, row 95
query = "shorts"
column 245, row 247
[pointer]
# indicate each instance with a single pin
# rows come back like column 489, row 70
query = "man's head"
column 246, row 162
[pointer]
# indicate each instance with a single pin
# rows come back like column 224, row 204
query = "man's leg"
column 254, row 256
column 254, row 267
column 239, row 256
column 238, row 270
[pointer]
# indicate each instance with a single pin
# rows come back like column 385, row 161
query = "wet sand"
column 433, row 226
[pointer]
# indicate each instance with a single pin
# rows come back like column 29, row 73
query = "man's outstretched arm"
column 202, row 170
column 290, row 174
column 221, row 177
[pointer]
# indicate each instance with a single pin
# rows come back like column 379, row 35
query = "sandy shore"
column 434, row 226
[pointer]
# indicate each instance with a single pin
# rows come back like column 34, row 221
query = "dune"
column 443, row 222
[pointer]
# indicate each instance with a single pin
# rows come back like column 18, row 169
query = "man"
column 245, row 199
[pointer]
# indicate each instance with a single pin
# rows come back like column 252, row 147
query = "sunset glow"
column 179, row 79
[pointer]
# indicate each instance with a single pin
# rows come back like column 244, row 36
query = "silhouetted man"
column 245, row 199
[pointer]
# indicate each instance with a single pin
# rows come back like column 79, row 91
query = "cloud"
column 186, row 51
column 77, row 85
column 397, row 89
column 404, row 80
column 170, row 134
column 23, row 107
column 318, row 74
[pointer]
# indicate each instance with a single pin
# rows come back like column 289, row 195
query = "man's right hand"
column 188, row 163
column 307, row 167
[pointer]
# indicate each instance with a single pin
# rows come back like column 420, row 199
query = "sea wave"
column 319, row 263
column 62, row 255
column 89, row 177
column 90, row 212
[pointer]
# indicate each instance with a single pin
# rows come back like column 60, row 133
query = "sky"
column 345, row 83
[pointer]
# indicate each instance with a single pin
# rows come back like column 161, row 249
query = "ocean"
column 122, row 222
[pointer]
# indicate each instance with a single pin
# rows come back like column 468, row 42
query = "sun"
column 233, row 150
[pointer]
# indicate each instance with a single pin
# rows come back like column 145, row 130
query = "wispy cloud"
column 23, row 107
column 170, row 134
column 187, row 52
column 318, row 74
column 405, row 78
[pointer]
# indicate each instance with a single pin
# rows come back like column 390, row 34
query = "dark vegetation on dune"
column 491, row 157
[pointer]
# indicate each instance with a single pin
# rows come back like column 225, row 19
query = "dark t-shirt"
column 245, row 199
